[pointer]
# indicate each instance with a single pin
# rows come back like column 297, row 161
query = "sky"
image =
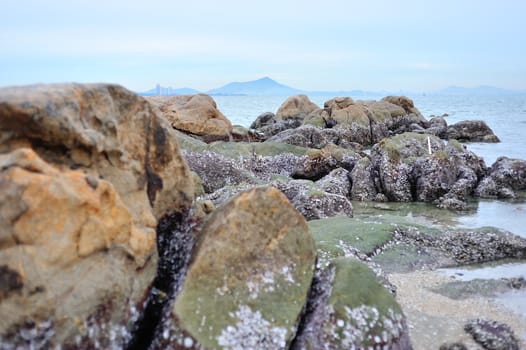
column 377, row 45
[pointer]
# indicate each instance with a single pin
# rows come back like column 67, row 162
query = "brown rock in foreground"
column 194, row 114
column 86, row 172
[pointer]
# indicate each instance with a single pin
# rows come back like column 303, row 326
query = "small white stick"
column 429, row 145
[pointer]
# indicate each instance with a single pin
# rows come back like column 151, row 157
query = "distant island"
column 261, row 87
column 268, row 87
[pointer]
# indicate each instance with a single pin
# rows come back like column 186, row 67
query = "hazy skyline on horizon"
column 335, row 45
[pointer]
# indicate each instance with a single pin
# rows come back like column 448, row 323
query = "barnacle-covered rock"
column 248, row 277
column 492, row 335
column 352, row 310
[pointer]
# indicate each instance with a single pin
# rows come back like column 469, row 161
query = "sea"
column 505, row 115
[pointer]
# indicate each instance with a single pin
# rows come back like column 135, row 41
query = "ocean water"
column 505, row 114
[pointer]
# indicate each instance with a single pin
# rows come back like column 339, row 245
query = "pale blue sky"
column 332, row 44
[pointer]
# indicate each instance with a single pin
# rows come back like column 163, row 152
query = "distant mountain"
column 168, row 91
column 479, row 90
column 263, row 86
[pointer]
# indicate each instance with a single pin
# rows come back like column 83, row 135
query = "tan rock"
column 86, row 171
column 66, row 216
column 296, row 107
column 195, row 114
column 106, row 132
column 338, row 103
column 404, row 102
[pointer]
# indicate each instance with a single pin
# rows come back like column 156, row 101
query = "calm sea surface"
column 506, row 115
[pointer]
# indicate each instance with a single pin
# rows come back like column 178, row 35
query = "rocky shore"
column 133, row 223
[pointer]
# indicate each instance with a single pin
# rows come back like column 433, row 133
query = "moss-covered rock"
column 336, row 236
column 356, row 311
column 249, row 276
column 247, row 149
column 418, row 167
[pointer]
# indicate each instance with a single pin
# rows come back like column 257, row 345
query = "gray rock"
column 364, row 179
column 505, row 176
column 336, row 182
column 492, row 335
column 312, row 202
column 472, row 131
column 267, row 125
column 305, row 136
column 453, row 346
column 317, row 164
column 217, row 171
column 265, row 119
column 406, row 171
column 350, row 309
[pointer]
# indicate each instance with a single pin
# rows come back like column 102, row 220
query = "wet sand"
column 435, row 319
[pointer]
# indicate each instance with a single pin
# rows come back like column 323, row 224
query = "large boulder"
column 505, row 177
column 87, row 170
column 194, row 114
column 368, row 122
column 419, row 167
column 296, row 107
column 472, row 131
column 355, row 119
column 248, row 279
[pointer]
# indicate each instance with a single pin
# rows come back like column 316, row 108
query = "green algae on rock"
column 249, row 275
column 335, row 236
column 353, row 311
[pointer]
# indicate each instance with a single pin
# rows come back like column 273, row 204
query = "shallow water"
column 487, row 271
column 514, row 300
column 510, row 216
